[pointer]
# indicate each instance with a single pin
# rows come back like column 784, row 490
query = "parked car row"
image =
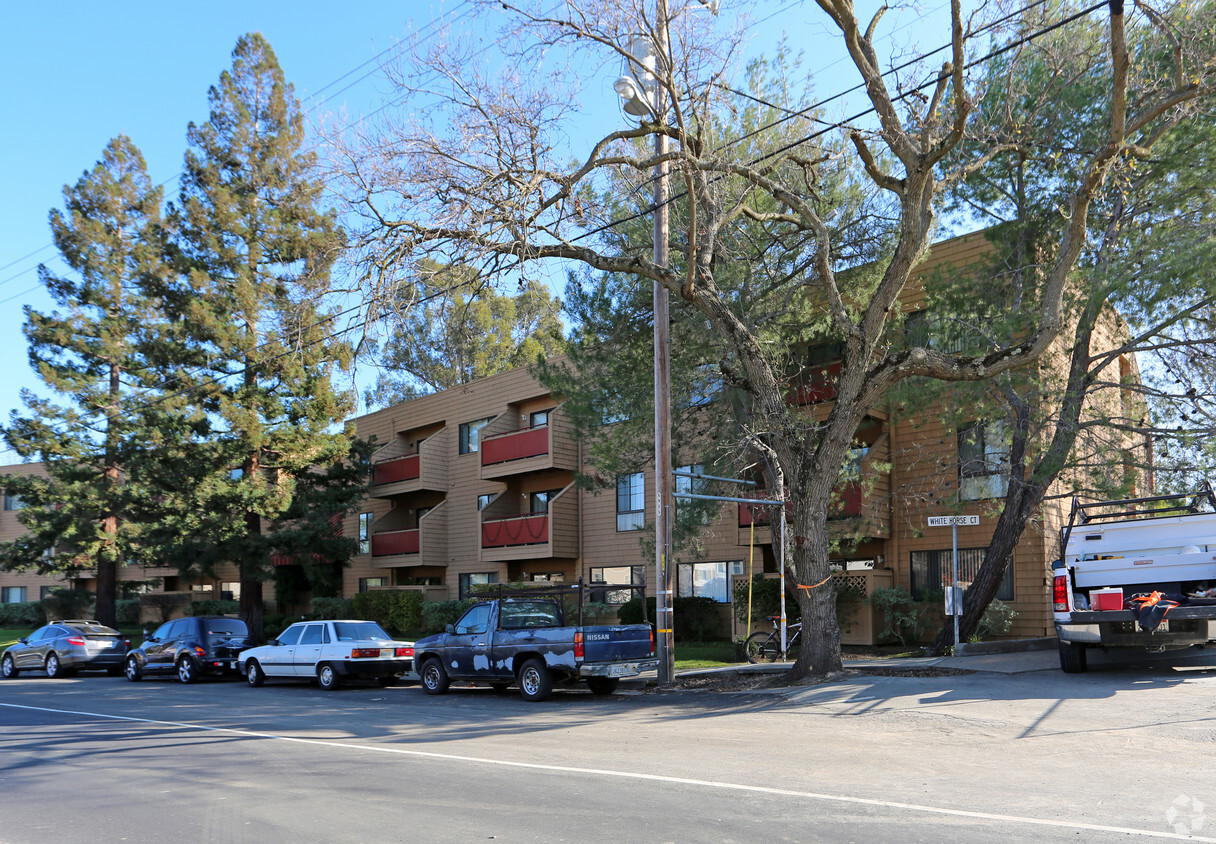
column 196, row 646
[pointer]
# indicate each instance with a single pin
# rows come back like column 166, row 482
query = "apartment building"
column 475, row 485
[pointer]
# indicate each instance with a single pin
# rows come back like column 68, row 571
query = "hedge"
column 212, row 606
column 696, row 619
column 399, row 611
column 22, row 614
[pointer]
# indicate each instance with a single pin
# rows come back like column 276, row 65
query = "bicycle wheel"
column 761, row 647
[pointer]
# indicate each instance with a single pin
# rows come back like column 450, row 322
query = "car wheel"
column 8, row 667
column 187, row 669
column 52, row 665
column 385, row 682
column 327, row 678
column 1072, row 658
column 254, row 673
column 602, row 685
column 133, row 670
column 434, row 679
column 535, row 681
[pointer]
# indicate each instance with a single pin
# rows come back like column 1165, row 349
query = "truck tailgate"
column 610, row 644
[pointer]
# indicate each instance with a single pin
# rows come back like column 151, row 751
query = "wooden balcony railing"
column 515, row 445
column 392, row 542
column 847, row 503
column 816, row 385
column 527, row 529
column 397, row 469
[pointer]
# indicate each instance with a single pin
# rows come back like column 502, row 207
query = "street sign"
column 951, row 521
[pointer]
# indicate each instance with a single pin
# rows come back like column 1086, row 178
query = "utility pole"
column 663, row 480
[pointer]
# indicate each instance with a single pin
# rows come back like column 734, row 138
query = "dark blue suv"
column 191, row 647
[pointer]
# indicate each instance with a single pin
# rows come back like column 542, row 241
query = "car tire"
column 602, row 685
column 187, row 670
column 8, row 668
column 53, row 667
column 535, row 681
column 434, row 678
column 386, row 682
column 1072, row 658
column 328, row 677
column 254, row 674
column 133, row 670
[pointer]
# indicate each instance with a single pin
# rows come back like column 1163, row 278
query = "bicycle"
column 766, row 647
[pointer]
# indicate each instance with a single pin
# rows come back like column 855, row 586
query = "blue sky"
column 78, row 73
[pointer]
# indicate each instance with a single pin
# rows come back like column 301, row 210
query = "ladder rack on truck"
column 1112, row 550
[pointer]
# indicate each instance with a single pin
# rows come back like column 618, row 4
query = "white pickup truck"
column 1115, row 550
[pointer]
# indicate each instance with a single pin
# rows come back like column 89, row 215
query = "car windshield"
column 227, row 627
column 349, row 631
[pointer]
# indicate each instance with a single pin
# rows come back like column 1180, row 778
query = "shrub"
column 212, row 606
column 996, row 621
column 905, row 618
column 330, row 608
column 68, row 603
column 630, row 612
column 274, row 623
column 398, row 611
column 766, row 599
column 436, row 615
column 22, row 614
column 697, row 620
column 126, row 612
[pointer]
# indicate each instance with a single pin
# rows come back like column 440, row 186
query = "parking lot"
column 982, row 756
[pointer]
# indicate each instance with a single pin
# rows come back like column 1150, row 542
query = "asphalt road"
column 1119, row 753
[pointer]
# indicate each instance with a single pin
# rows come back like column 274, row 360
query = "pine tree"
column 259, row 254
column 97, row 354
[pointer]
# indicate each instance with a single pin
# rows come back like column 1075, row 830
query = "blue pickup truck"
column 525, row 642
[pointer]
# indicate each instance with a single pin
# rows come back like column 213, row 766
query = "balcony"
column 817, row 384
column 395, row 473
column 522, row 450
column 852, row 512
column 533, row 536
column 424, row 545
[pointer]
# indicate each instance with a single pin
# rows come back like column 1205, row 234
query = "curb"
column 1005, row 646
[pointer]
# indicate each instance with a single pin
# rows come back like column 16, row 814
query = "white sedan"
column 329, row 651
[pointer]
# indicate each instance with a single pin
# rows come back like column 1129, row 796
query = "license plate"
column 102, row 644
column 626, row 670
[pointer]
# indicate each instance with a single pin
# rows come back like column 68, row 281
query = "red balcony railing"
column 515, row 445
column 515, row 530
column 398, row 469
column 846, row 504
column 390, row 542
column 818, row 384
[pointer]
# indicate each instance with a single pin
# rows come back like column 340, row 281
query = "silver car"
column 64, row 647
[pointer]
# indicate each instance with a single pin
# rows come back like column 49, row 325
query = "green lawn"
column 705, row 654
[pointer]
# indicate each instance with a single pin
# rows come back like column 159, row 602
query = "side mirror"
column 25, row 641
column 448, row 628
column 274, row 642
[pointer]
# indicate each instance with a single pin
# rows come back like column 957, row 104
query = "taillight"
column 1059, row 593
column 579, row 649
column 364, row 653
column 126, row 643
column 75, row 640
column 199, row 651
column 404, row 652
column 652, row 641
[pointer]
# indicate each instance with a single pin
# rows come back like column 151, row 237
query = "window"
column 484, row 501
column 365, row 533
column 202, row 587
column 12, row 595
column 481, row 578
column 291, row 635
column 469, row 432
column 631, row 501
column 476, row 620
column 983, row 461
column 420, row 512
column 230, row 590
column 12, row 502
column 538, row 419
column 547, row 577
column 366, row 583
column 538, row 502
column 931, row 572
column 44, row 592
column 617, row 575
column 696, row 486
column 706, row 580
column 315, row 634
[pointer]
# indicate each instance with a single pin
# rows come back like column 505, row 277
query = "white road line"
column 728, row 786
